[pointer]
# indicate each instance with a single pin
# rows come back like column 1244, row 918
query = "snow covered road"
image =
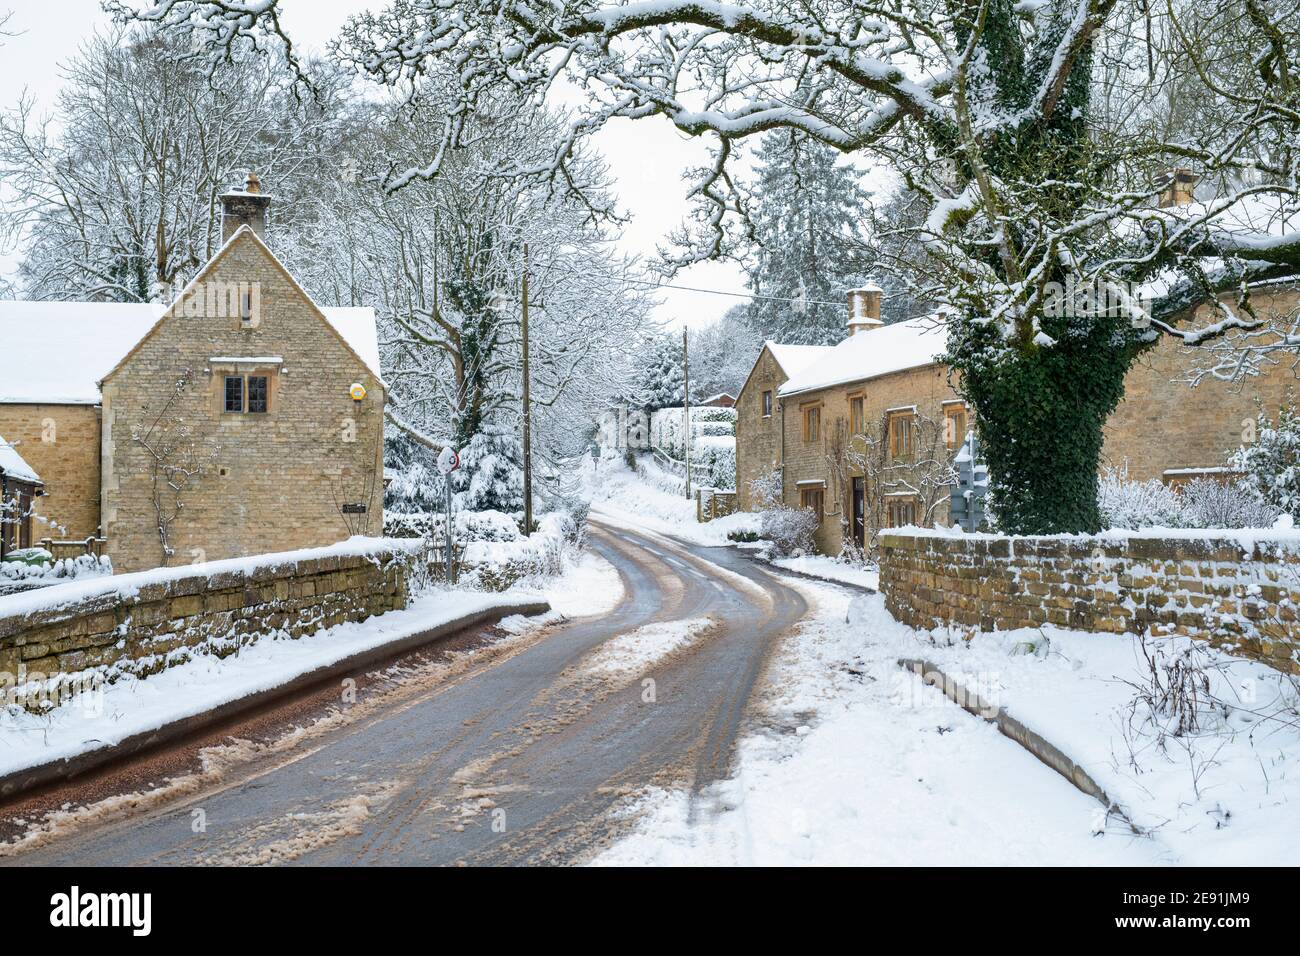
column 515, row 759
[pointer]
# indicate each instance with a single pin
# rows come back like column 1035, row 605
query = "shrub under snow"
column 1137, row 504
column 1271, row 465
column 1202, row 503
column 1213, row 504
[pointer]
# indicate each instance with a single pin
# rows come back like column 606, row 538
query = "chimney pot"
column 864, row 309
column 244, row 207
column 1177, row 187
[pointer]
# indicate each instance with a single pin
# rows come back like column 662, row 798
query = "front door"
column 859, row 512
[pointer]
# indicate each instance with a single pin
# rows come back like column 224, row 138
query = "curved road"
column 514, row 760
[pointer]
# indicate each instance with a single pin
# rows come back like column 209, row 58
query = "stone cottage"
column 241, row 419
column 861, row 431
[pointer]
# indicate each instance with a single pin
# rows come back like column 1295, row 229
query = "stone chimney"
column 864, row 309
column 245, row 206
column 1176, row 187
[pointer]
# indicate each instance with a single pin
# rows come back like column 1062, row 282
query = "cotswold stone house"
column 858, row 431
column 242, row 419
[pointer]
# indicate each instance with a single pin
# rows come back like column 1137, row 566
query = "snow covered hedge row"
column 492, row 553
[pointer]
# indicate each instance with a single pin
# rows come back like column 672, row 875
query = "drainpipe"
column 4, row 497
column 781, row 405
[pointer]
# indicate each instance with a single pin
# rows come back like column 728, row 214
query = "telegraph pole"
column 528, row 413
column 686, row 404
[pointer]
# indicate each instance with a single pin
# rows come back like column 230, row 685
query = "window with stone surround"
column 767, row 404
column 812, row 423
column 901, row 511
column 814, row 498
column 901, row 434
column 857, row 416
column 234, row 393
column 258, row 393
column 954, row 424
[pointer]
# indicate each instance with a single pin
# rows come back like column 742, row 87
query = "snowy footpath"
column 854, row 761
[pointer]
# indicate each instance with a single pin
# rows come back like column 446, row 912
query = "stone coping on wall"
column 1238, row 589
column 108, row 591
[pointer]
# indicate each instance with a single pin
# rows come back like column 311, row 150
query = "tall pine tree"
column 807, row 213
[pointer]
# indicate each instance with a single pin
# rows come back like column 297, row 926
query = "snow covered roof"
column 13, row 466
column 890, row 348
column 793, row 359
column 56, row 353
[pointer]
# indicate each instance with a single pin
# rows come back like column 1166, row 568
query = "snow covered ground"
column 855, row 761
column 820, row 566
column 639, row 501
column 107, row 714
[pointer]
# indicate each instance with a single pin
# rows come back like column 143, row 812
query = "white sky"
column 645, row 157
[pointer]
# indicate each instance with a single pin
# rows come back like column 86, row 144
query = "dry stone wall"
column 1242, row 592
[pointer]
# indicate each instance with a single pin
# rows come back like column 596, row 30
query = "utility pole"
column 686, row 404
column 528, row 413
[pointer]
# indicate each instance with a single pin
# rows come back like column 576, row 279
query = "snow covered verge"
column 856, row 761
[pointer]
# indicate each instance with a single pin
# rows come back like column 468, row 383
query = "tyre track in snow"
column 517, row 761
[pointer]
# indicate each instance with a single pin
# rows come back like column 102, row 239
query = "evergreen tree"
column 491, row 473
column 662, row 375
column 807, row 212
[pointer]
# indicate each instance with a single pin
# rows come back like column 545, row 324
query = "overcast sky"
column 645, row 157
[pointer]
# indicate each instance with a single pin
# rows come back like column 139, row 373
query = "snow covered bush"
column 1271, row 465
column 469, row 525
column 790, row 530
column 1214, row 504
column 39, row 567
column 1137, row 504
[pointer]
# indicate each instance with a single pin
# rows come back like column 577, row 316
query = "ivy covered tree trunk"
column 1041, row 414
column 1042, row 385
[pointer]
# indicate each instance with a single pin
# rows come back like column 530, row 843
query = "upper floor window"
column 234, row 393
column 767, row 404
column 250, row 393
column 954, row 425
column 812, row 423
column 901, row 436
column 258, row 389
column 857, row 417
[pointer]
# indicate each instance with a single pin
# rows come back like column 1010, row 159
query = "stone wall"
column 274, row 480
column 1162, row 423
column 61, row 442
column 1238, row 592
column 758, row 436
column 144, row 622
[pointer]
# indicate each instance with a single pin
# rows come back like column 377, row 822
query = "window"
column 767, row 404
column 257, row 393
column 813, row 498
column 902, row 511
column 954, row 425
column 234, row 393
column 857, row 422
column 901, row 435
column 812, row 423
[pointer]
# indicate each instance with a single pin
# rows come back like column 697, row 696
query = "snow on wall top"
column 12, row 464
column 56, row 352
column 879, row 351
column 126, row 586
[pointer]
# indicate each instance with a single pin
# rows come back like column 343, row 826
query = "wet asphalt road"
column 513, row 761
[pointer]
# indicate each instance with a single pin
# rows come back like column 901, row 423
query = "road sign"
column 448, row 460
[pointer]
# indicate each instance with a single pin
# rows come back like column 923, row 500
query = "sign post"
column 448, row 461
